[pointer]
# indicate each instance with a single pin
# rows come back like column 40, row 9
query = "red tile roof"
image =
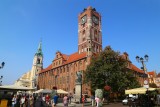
column 65, row 56
column 75, row 56
column 151, row 73
column 133, row 67
column 47, row 69
column 69, row 58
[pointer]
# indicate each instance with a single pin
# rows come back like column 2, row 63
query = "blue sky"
column 131, row 26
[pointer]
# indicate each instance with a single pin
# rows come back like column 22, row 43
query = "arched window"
column 83, row 35
column 82, row 48
column 38, row 61
column 95, row 35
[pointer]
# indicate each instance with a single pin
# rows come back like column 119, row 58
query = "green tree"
column 109, row 68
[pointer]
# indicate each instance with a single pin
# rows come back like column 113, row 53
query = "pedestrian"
column 92, row 100
column 22, row 101
column 17, row 101
column 97, row 101
column 55, row 98
column 70, row 97
column 14, row 100
column 39, row 102
column 47, row 99
column 65, row 101
column 43, row 98
column 31, row 101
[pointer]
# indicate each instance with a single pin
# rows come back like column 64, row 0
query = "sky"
column 131, row 26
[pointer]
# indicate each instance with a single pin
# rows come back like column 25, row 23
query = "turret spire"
column 39, row 51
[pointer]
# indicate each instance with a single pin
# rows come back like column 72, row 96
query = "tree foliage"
column 109, row 68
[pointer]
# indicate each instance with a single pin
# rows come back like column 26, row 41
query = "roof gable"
column 67, row 59
column 133, row 67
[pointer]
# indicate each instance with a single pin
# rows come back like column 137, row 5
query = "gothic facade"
column 62, row 71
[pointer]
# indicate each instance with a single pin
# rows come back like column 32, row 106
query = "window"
column 83, row 39
column 67, row 79
column 64, row 69
column 83, row 33
column 60, row 70
column 57, row 71
column 67, row 69
column 96, row 36
column 60, row 80
column 38, row 61
column 64, row 79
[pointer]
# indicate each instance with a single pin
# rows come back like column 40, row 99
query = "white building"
column 30, row 78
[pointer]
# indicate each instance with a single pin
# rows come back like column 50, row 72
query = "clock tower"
column 37, row 66
column 89, row 31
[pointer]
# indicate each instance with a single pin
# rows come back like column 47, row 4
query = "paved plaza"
column 88, row 104
column 105, row 105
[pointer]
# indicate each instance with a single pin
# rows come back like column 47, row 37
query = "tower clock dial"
column 83, row 19
column 95, row 19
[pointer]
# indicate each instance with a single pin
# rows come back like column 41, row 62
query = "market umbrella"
column 60, row 91
column 141, row 90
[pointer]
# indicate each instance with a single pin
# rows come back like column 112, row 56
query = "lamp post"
column 143, row 60
column 1, row 66
column 1, row 81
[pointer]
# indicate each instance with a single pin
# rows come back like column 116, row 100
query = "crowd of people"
column 19, row 100
column 36, row 100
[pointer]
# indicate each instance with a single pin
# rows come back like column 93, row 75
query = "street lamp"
column 1, row 81
column 2, row 65
column 1, row 77
column 142, row 60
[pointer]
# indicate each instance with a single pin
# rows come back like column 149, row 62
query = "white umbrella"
column 15, row 87
column 43, row 91
column 60, row 91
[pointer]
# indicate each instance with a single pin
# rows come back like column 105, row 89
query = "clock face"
column 95, row 20
column 83, row 19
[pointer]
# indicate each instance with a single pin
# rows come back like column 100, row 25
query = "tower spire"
column 39, row 51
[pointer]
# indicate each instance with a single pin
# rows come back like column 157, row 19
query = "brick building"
column 62, row 71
